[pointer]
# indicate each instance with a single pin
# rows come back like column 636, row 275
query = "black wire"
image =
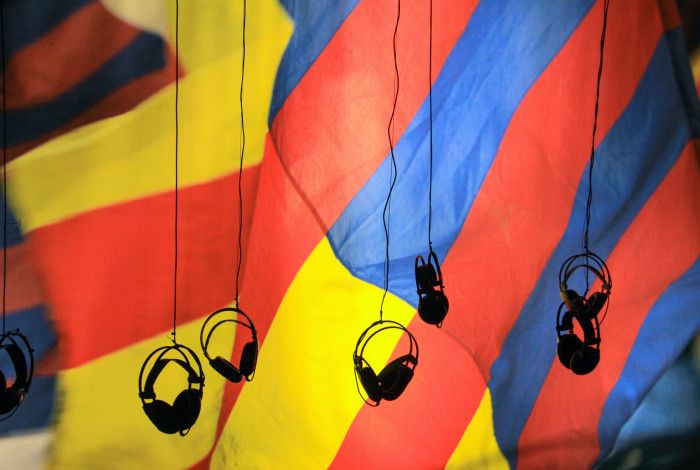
column 430, row 107
column 240, row 164
column 177, row 91
column 606, row 4
column 393, row 170
column 4, row 169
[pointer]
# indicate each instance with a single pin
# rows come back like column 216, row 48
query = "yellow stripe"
column 101, row 413
column 478, row 447
column 297, row 411
column 131, row 156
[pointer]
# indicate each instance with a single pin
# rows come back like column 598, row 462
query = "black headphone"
column 22, row 356
column 393, row 379
column 432, row 303
column 249, row 355
column 581, row 356
column 182, row 414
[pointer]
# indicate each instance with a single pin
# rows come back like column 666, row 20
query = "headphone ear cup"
column 370, row 383
column 595, row 303
column 394, row 378
column 249, row 357
column 161, row 414
column 585, row 360
column 567, row 346
column 226, row 369
column 3, row 382
column 432, row 308
column 187, row 406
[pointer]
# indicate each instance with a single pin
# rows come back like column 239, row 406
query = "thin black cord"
column 240, row 164
column 177, row 92
column 430, row 107
column 606, row 4
column 393, row 169
column 4, row 169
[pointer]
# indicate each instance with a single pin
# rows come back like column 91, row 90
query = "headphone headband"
column 583, row 260
column 146, row 390
column 393, row 326
column 205, row 342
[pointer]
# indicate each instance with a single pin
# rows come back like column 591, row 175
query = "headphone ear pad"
column 370, row 383
column 187, row 406
column 3, row 383
column 226, row 369
column 596, row 302
column 567, row 346
column 394, row 378
column 432, row 308
column 585, row 360
column 249, row 357
column 161, row 414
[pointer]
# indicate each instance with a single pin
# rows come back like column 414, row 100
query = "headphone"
column 182, row 414
column 393, row 379
column 249, row 355
column 22, row 357
column 581, row 356
column 432, row 303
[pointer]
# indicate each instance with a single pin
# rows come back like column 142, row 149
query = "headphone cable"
column 430, row 107
column 177, row 91
column 386, row 213
column 240, row 163
column 4, row 171
column 589, row 201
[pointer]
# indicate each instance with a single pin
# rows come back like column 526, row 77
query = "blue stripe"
column 145, row 54
column 14, row 228
column 35, row 411
column 503, row 51
column 28, row 20
column 34, row 324
column 315, row 23
column 635, row 156
column 660, row 338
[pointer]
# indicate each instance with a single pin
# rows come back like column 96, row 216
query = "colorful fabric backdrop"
column 90, row 134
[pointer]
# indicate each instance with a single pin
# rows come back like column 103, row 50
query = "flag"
column 91, row 136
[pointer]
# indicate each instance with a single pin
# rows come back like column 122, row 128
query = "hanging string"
column 177, row 132
column 606, row 4
column 4, row 170
column 392, row 171
column 240, row 163
column 430, row 107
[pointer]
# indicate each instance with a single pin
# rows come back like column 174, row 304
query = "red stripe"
column 548, row 158
column 42, row 71
column 669, row 215
column 23, row 289
column 108, row 274
column 355, row 74
column 121, row 101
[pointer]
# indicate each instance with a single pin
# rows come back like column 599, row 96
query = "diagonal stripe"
column 145, row 54
column 638, row 282
column 23, row 290
column 478, row 447
column 481, row 260
column 331, row 152
column 307, row 360
column 41, row 71
column 112, row 253
column 467, row 140
column 640, row 374
column 101, row 173
column 634, row 157
column 314, row 26
column 101, row 415
column 26, row 24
